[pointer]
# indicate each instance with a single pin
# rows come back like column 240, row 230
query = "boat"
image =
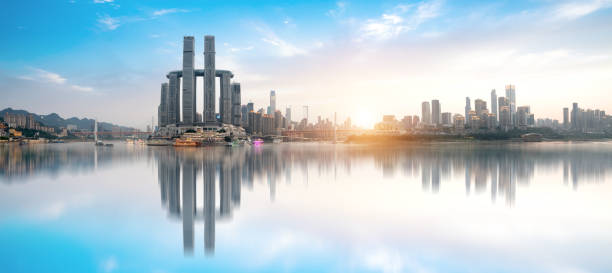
column 257, row 141
column 186, row 143
column 159, row 142
column 99, row 143
column 129, row 141
column 531, row 137
column 109, row 145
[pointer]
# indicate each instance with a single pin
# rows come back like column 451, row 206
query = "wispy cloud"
column 168, row 11
column 403, row 17
column 82, row 88
column 44, row 76
column 337, row 11
column 102, row 1
column 107, row 22
column 285, row 49
column 574, row 10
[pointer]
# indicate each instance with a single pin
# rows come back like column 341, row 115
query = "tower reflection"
column 498, row 170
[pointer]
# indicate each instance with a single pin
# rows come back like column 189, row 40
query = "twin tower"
column 229, row 100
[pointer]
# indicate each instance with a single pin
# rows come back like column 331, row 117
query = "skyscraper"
column 162, row 118
column 288, row 114
column 435, row 112
column 272, row 108
column 425, row 113
column 575, row 114
column 468, row 108
column 209, row 79
column 480, row 106
column 236, row 114
column 494, row 102
column 189, row 81
column 511, row 96
column 565, row 117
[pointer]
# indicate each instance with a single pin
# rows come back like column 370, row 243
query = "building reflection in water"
column 496, row 169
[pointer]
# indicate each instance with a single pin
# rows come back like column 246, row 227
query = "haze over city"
column 106, row 58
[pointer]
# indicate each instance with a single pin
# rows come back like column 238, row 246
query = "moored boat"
column 186, row 143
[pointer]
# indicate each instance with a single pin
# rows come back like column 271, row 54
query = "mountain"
column 54, row 120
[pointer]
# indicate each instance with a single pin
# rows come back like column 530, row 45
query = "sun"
column 365, row 119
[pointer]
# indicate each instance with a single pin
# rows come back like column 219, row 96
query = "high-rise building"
column 209, row 79
column 189, row 80
column 468, row 108
column 288, row 114
column 511, row 96
column 174, row 97
column 575, row 114
column 425, row 113
column 446, row 118
column 522, row 115
column 565, row 117
column 244, row 116
column 480, row 106
column 236, row 114
column 272, row 108
column 435, row 112
column 162, row 116
column 494, row 102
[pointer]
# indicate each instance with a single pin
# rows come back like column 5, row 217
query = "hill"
column 56, row 121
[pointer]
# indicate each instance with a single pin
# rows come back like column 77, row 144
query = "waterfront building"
column 446, row 118
column 425, row 113
column 189, row 81
column 459, row 122
column 288, row 114
column 511, row 96
column 415, row 121
column 272, row 107
column 565, row 117
column 468, row 108
column 505, row 121
column 435, row 112
column 480, row 106
column 494, row 102
column 209, row 79
column 236, row 113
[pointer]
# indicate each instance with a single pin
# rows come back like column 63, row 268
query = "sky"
column 362, row 59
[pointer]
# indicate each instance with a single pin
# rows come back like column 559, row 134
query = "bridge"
column 116, row 133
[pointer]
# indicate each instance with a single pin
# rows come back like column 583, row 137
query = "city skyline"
column 345, row 57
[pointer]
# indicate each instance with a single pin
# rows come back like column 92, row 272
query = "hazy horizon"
column 106, row 59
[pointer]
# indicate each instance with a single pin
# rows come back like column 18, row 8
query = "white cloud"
column 338, row 11
column 102, row 1
column 107, row 22
column 285, row 49
column 574, row 10
column 82, row 88
column 402, row 18
column 168, row 11
column 44, row 76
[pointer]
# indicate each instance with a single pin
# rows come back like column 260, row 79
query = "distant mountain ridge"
column 54, row 120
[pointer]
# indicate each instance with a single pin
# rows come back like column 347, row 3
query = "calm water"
column 538, row 207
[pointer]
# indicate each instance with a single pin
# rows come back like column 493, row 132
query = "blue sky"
column 106, row 59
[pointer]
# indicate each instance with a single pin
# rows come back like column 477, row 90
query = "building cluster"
column 270, row 121
column 586, row 120
column 503, row 114
column 181, row 90
column 20, row 121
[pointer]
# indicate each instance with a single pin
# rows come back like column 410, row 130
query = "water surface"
column 445, row 207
